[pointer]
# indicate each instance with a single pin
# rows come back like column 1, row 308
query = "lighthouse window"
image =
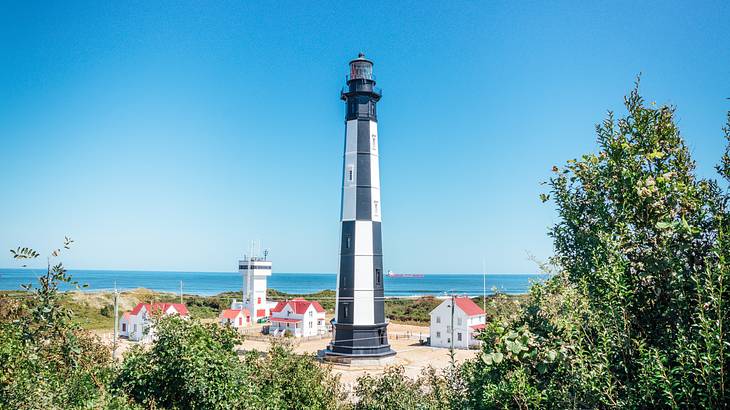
column 346, row 309
column 375, row 206
column 350, row 173
column 349, row 242
column 377, row 276
column 375, row 147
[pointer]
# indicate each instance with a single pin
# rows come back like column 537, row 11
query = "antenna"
column 116, row 321
column 484, row 288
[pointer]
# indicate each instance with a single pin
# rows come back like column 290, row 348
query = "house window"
column 438, row 335
column 458, row 321
column 258, row 301
column 310, row 325
column 124, row 327
column 438, row 319
column 240, row 321
column 458, row 336
column 377, row 276
column 311, row 313
column 134, row 328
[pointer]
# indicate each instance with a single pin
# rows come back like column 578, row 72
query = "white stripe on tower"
column 374, row 173
column 364, row 309
column 349, row 185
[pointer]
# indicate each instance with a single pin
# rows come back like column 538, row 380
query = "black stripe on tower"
column 347, row 273
column 363, row 200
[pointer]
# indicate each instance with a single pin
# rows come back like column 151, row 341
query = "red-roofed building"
column 137, row 323
column 299, row 317
column 236, row 318
column 468, row 320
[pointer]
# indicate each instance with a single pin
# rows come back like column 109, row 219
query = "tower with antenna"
column 359, row 325
column 254, row 270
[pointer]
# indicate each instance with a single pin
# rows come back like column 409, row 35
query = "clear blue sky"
column 168, row 135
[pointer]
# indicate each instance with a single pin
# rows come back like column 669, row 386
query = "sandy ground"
column 404, row 339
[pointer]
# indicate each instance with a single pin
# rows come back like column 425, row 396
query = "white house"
column 236, row 318
column 137, row 323
column 469, row 319
column 299, row 317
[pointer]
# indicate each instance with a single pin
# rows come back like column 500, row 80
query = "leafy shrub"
column 46, row 361
column 394, row 390
column 286, row 380
column 189, row 366
column 107, row 311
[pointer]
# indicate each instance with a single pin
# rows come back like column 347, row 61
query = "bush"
column 286, row 380
column 107, row 311
column 190, row 366
column 46, row 361
column 394, row 390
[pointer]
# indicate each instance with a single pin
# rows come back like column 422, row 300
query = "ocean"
column 211, row 283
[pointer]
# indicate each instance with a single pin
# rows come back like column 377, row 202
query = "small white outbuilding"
column 137, row 323
column 469, row 319
column 236, row 318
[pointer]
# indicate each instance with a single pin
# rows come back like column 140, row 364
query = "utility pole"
column 452, row 321
column 484, row 289
column 116, row 321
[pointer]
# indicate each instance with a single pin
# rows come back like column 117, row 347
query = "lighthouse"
column 359, row 325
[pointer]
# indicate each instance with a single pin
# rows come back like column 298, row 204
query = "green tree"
column 636, row 314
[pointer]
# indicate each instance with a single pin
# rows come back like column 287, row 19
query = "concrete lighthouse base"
column 329, row 356
column 359, row 345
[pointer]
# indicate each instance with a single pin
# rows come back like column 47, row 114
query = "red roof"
column 299, row 306
column 285, row 320
column 279, row 306
column 478, row 327
column 468, row 306
column 161, row 307
column 232, row 313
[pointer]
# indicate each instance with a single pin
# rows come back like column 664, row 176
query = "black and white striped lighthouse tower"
column 360, row 329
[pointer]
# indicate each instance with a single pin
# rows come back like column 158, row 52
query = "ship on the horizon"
column 392, row 274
